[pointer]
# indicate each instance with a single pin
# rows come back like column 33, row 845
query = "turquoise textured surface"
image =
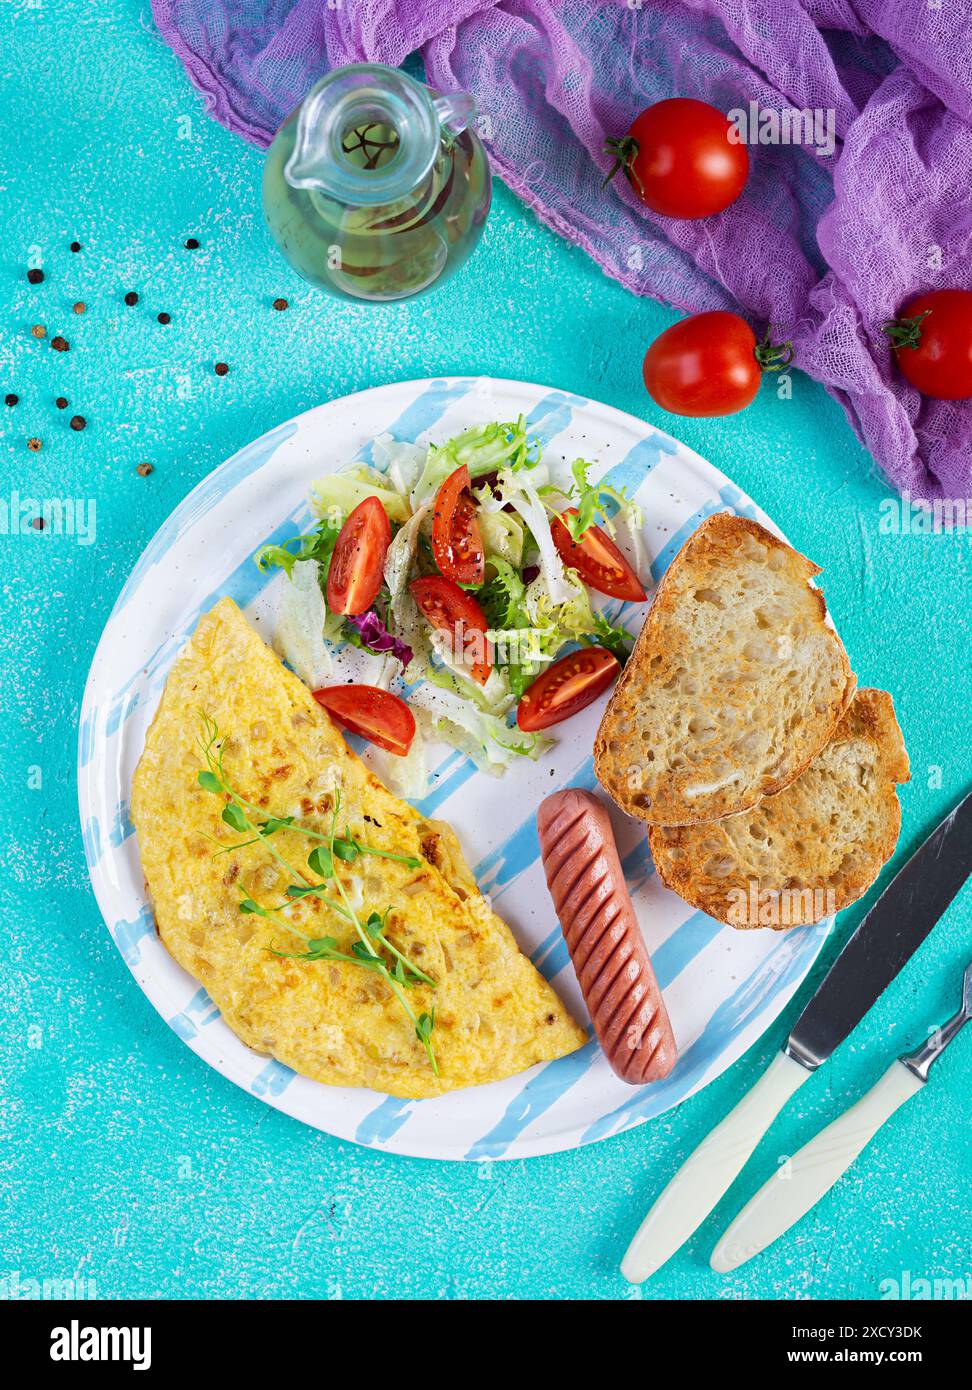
column 124, row 1161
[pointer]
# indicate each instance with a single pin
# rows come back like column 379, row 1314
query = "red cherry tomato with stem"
column 569, row 685
column 376, row 714
column 932, row 339
column 710, row 364
column 358, row 559
column 680, row 159
column 456, row 541
column 597, row 560
column 451, row 610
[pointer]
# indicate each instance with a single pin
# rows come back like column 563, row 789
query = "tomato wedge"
column 569, row 685
column 450, row 609
column 358, row 561
column 597, row 560
column 456, row 541
column 375, row 714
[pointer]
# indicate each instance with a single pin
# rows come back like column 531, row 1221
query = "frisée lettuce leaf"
column 520, row 491
column 483, row 449
column 314, row 545
column 593, row 502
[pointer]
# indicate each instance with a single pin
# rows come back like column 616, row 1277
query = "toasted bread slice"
column 735, row 684
column 810, row 850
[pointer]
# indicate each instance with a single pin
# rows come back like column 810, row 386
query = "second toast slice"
column 806, row 853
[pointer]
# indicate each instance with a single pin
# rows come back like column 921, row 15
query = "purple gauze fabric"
column 825, row 248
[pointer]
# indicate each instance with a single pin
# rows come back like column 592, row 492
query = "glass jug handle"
column 455, row 110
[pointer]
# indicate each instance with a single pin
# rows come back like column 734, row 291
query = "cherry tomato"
column 710, row 364
column 597, row 560
column 375, row 714
column 358, row 560
column 569, row 685
column 450, row 609
column 456, row 542
column 932, row 340
column 679, row 158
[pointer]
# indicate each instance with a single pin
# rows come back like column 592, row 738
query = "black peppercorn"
column 165, row 318
column 192, row 244
column 60, row 344
column 221, row 368
column 75, row 246
column 34, row 277
column 61, row 402
column 280, row 304
column 78, row 422
column 10, row 399
column 131, row 298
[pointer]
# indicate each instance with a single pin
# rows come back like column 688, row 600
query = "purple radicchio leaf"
column 376, row 637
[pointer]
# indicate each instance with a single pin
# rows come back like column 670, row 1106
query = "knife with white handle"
column 883, row 943
column 791, row 1192
column 706, row 1176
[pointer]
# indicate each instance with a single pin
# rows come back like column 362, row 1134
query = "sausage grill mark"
column 601, row 930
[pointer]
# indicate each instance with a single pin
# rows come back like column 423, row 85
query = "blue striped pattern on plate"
column 723, row 987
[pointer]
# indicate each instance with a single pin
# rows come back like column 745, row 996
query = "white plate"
column 722, row 987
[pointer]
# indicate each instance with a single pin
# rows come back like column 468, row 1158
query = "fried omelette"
column 333, row 1021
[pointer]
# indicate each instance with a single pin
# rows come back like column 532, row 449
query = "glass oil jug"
column 376, row 188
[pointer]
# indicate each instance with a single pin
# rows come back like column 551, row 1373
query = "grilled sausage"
column 586, row 882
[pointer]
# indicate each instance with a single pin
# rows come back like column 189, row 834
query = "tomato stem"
column 625, row 152
column 905, row 332
column 773, row 357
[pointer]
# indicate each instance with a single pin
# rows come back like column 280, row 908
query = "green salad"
column 467, row 571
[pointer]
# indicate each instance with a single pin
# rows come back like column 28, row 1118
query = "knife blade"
column 883, row 943
column 886, row 938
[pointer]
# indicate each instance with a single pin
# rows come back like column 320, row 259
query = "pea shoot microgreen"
column 374, row 950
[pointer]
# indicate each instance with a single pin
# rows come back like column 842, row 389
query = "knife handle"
column 792, row 1191
column 708, row 1173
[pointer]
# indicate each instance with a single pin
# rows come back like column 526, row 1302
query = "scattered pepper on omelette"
column 335, row 928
